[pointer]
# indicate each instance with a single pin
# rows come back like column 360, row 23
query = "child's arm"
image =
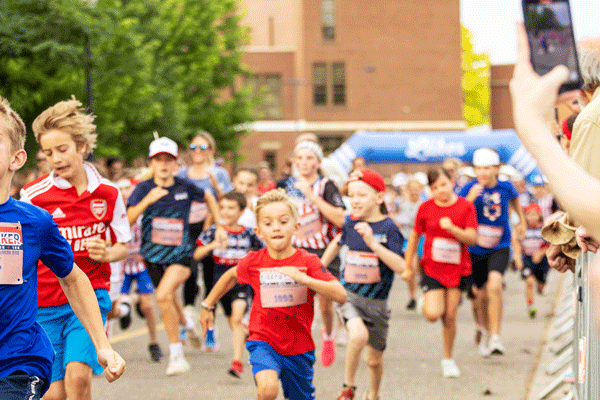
column 393, row 260
column 539, row 255
column 133, row 212
column 411, row 250
column 203, row 251
column 521, row 227
column 467, row 236
column 223, row 285
column 332, row 250
column 331, row 289
column 331, row 212
column 518, row 253
column 212, row 206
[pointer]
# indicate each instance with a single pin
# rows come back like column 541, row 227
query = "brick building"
column 333, row 67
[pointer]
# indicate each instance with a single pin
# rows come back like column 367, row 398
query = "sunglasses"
column 202, row 147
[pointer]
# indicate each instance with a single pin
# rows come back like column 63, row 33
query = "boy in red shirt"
column 284, row 280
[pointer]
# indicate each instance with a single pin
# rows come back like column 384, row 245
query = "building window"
column 339, row 84
column 329, row 144
column 270, row 157
column 328, row 20
column 320, row 84
column 268, row 89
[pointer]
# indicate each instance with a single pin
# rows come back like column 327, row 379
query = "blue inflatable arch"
column 433, row 147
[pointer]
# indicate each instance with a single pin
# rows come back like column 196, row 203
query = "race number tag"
column 198, row 212
column 489, row 236
column 279, row 290
column 11, row 253
column 361, row 267
column 445, row 251
column 310, row 221
column 167, row 231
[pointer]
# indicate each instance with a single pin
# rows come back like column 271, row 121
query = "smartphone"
column 551, row 42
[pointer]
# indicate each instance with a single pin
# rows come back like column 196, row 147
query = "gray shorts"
column 375, row 314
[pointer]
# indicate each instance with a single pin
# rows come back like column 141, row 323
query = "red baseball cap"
column 533, row 207
column 369, row 177
column 565, row 129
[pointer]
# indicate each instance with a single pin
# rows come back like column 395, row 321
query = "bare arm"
column 223, row 285
column 467, row 236
column 331, row 289
column 134, row 212
column 331, row 212
column 332, row 250
column 99, row 251
column 212, row 206
column 203, row 251
column 411, row 250
column 78, row 289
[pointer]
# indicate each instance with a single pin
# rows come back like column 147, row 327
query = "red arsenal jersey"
column 97, row 212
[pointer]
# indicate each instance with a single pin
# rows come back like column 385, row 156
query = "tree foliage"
column 543, row 19
column 475, row 82
column 164, row 65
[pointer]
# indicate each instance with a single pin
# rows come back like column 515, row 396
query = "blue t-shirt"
column 165, row 224
column 361, row 264
column 493, row 232
column 220, row 174
column 27, row 234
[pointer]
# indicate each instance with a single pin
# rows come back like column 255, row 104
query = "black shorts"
column 239, row 292
column 333, row 267
column 482, row 265
column 428, row 283
column 539, row 271
column 156, row 271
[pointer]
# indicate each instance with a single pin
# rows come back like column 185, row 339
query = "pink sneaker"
column 328, row 351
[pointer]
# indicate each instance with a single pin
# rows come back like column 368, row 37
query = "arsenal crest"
column 99, row 208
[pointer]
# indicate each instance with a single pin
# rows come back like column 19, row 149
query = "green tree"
column 539, row 20
column 475, row 82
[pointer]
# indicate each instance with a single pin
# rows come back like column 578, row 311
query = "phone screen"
column 551, row 40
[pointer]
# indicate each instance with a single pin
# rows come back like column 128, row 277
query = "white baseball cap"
column 163, row 145
column 485, row 157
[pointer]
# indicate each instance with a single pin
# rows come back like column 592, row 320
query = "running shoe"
column 211, row 340
column 156, row 353
column 328, row 351
column 496, row 346
column 236, row 369
column 450, row 369
column 177, row 365
column 531, row 311
column 347, row 394
column 191, row 332
column 484, row 349
column 125, row 320
column 412, row 304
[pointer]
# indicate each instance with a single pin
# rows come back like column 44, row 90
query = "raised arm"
column 331, row 289
column 332, row 250
column 134, row 212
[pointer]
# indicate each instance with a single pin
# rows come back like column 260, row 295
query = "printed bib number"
column 361, row 267
column 310, row 221
column 167, row 231
column 198, row 212
column 445, row 251
column 279, row 290
column 489, row 236
column 11, row 253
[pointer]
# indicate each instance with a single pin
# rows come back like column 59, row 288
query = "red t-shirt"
column 445, row 258
column 282, row 311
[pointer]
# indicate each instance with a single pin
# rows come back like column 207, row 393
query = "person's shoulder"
column 108, row 188
column 37, row 187
column 31, row 212
column 220, row 171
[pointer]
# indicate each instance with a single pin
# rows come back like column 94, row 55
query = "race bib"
column 445, row 251
column 11, row 253
column 489, row 236
column 532, row 245
column 361, row 267
column 310, row 221
column 167, row 231
column 198, row 212
column 279, row 290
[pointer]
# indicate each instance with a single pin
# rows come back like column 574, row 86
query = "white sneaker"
column 496, row 346
column 341, row 337
column 191, row 330
column 449, row 368
column 484, row 349
column 177, row 365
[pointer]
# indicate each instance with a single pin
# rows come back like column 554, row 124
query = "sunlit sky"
column 492, row 23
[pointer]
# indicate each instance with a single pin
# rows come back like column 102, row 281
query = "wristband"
column 206, row 307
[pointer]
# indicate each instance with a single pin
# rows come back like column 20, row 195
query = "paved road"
column 412, row 360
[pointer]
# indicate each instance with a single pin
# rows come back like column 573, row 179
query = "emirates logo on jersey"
column 99, row 208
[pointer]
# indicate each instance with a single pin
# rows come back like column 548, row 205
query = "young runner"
column 284, row 280
column 374, row 254
column 320, row 212
column 245, row 181
column 228, row 245
column 449, row 223
column 530, row 256
column 164, row 204
column 90, row 213
column 29, row 234
column 490, row 256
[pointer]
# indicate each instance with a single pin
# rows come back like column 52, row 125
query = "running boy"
column 245, row 181
column 26, row 355
column 374, row 254
column 164, row 203
column 530, row 255
column 228, row 245
column 90, row 213
column 284, row 280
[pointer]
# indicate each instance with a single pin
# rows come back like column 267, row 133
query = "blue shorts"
column 295, row 372
column 144, row 283
column 69, row 338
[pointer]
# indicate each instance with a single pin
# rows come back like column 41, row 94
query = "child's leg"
column 326, row 308
column 452, row 298
column 238, row 332
column 481, row 302
column 147, row 309
column 433, row 304
column 358, row 335
column 170, row 308
column 374, row 360
column 529, row 285
column 267, row 383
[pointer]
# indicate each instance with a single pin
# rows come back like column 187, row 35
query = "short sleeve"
column 471, row 217
column 315, row 269
column 345, row 227
column 332, row 195
column 243, row 275
column 224, row 180
column 465, row 189
column 197, row 193
column 395, row 240
column 512, row 190
column 55, row 251
column 140, row 191
column 206, row 237
column 120, row 223
column 255, row 242
column 419, row 226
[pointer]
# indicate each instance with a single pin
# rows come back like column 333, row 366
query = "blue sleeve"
column 465, row 189
column 344, row 231
column 140, row 191
column 395, row 239
column 55, row 251
column 197, row 193
column 514, row 193
column 224, row 180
